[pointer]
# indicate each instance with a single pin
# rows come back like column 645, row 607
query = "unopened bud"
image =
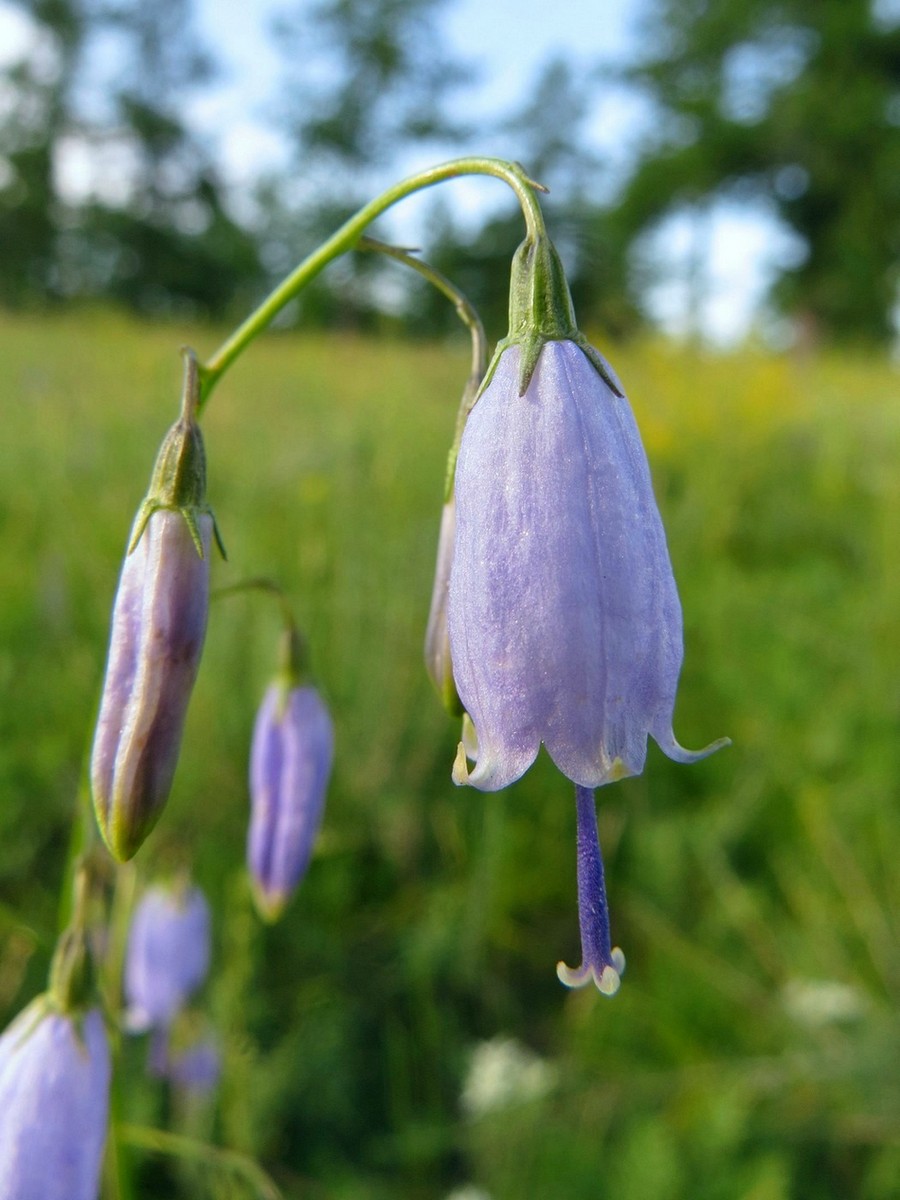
column 158, row 629
column 167, row 957
column 290, row 763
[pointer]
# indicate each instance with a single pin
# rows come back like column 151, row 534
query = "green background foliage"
column 752, row 1053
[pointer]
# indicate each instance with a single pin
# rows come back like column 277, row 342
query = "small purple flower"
column 197, row 1068
column 158, row 629
column 290, row 763
column 54, row 1104
column 167, row 957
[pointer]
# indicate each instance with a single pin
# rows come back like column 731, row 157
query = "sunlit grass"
column 752, row 1051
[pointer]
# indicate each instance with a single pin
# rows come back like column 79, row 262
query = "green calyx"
column 72, row 976
column 541, row 311
column 292, row 659
column 178, row 482
column 73, row 980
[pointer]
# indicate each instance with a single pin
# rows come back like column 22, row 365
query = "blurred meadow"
column 401, row 1033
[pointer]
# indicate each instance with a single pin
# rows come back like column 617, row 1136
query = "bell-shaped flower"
column 158, row 628
column 564, row 619
column 54, row 1103
column 167, row 956
column 55, row 1075
column 290, row 765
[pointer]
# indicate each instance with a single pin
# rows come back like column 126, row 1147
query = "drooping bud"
column 290, row 764
column 158, row 629
column 167, row 957
column 438, row 660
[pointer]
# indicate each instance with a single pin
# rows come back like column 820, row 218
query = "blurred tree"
column 798, row 102
column 170, row 244
column 35, row 117
column 366, row 81
column 154, row 231
column 548, row 134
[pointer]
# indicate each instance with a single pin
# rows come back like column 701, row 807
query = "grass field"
column 401, row 1033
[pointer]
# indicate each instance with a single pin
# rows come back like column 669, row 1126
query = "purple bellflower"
column 54, row 1104
column 55, row 1077
column 158, row 629
column 290, row 764
column 167, row 956
column 564, row 619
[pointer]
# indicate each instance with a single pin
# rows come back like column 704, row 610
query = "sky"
column 731, row 251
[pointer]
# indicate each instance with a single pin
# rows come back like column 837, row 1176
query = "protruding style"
column 601, row 963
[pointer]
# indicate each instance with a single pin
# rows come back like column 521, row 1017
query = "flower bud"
column 437, row 636
column 290, row 763
column 158, row 629
column 167, row 957
column 54, row 1104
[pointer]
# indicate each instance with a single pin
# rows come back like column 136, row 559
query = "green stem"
column 228, row 1161
column 346, row 238
column 293, row 653
column 465, row 309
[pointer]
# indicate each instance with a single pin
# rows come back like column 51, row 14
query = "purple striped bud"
column 158, row 629
column 290, row 763
column 54, row 1104
column 167, row 957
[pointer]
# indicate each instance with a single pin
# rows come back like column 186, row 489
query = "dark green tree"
column 166, row 241
column 30, row 133
column 796, row 102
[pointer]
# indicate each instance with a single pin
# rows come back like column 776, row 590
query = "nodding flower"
column 564, row 618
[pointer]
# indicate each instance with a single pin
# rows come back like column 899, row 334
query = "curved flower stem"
column 465, row 309
column 347, row 237
column 293, row 661
column 229, row 1162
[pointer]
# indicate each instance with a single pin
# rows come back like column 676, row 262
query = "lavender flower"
column 290, row 763
column 158, row 629
column 565, row 624
column 197, row 1068
column 167, row 957
column 54, row 1104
